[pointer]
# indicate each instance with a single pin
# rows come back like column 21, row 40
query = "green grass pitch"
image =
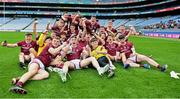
column 133, row 82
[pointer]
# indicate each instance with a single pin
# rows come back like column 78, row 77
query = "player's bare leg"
column 21, row 60
column 132, row 64
column 124, row 59
column 42, row 74
column 56, row 64
column 84, row 54
column 32, row 70
column 141, row 58
column 67, row 65
column 56, row 61
column 32, row 51
column 95, row 64
column 27, row 58
column 21, row 57
column 31, row 56
column 111, row 57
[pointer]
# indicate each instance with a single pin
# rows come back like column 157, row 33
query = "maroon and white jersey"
column 82, row 43
column 67, row 19
column 75, row 54
column 126, row 48
column 69, row 33
column 88, row 26
column 95, row 27
column 125, row 33
column 112, row 30
column 45, row 56
column 57, row 30
column 26, row 46
column 111, row 48
column 76, row 22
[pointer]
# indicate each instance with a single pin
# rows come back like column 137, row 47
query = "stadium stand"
column 42, row 22
column 16, row 24
column 143, row 14
column 75, row 1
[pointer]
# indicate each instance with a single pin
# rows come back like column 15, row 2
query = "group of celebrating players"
column 76, row 42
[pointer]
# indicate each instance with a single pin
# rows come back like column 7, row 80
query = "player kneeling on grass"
column 36, row 68
column 73, row 53
column 100, row 53
column 25, row 45
column 132, row 59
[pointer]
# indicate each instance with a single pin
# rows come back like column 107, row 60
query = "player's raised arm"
column 127, row 36
column 133, row 50
column 47, row 26
column 42, row 38
column 88, row 49
column 35, row 28
column 100, row 39
column 8, row 45
column 111, row 33
column 84, row 29
column 55, row 51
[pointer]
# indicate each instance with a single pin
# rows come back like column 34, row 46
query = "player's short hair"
column 73, row 24
column 110, row 35
column 73, row 37
column 57, row 37
column 93, row 16
column 63, row 33
column 48, row 37
column 102, row 27
column 122, row 36
column 35, row 19
column 111, row 20
column 65, row 12
column 28, row 34
column 93, row 40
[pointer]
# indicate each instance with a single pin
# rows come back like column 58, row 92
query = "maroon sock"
column 141, row 65
column 60, row 65
column 19, row 84
column 159, row 66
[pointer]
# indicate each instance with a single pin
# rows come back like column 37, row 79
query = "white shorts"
column 76, row 63
column 133, row 58
column 41, row 65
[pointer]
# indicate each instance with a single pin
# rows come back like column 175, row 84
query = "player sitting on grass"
column 25, row 45
column 36, row 68
column 73, row 53
column 132, row 59
column 100, row 53
column 111, row 47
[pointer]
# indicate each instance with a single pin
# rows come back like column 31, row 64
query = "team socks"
column 19, row 84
